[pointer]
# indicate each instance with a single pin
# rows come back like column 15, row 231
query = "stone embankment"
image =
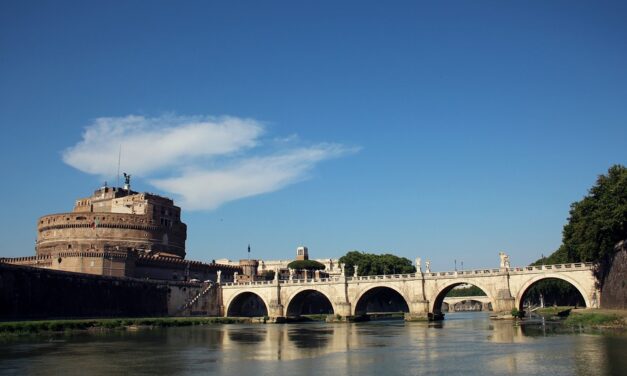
column 28, row 293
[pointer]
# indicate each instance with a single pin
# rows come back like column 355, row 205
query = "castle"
column 119, row 232
column 123, row 233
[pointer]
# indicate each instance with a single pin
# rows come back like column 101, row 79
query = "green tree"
column 596, row 223
column 599, row 221
column 306, row 264
column 554, row 291
column 466, row 291
column 372, row 264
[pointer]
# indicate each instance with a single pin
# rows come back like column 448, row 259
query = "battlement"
column 38, row 261
column 165, row 261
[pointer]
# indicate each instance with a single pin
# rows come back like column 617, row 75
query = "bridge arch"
column 308, row 300
column 247, row 304
column 466, row 305
column 527, row 285
column 435, row 304
column 360, row 304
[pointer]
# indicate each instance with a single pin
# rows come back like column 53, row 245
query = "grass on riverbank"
column 16, row 328
column 597, row 319
column 553, row 311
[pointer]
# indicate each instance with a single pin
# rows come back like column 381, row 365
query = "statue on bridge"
column 418, row 266
column 355, row 270
column 504, row 260
column 427, row 266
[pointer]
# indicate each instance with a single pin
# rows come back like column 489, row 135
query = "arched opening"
column 247, row 304
column 309, row 302
column 468, row 305
column 381, row 301
column 459, row 297
column 551, row 292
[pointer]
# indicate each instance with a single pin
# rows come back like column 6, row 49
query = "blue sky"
column 448, row 131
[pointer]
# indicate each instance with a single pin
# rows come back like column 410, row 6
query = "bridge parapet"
column 383, row 277
column 535, row 268
column 431, row 275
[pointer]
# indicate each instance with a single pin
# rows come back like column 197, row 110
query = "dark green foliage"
column 555, row 292
column 306, row 264
column 267, row 275
column 517, row 314
column 371, row 264
column 596, row 223
column 466, row 291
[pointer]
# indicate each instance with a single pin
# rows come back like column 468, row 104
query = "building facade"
column 115, row 218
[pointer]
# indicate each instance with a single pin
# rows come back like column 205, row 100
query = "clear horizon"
column 449, row 132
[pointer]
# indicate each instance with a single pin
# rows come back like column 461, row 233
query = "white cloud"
column 150, row 144
column 179, row 155
column 208, row 189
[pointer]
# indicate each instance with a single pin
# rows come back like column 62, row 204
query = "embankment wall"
column 34, row 293
column 614, row 290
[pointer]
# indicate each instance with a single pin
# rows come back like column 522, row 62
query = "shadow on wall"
column 33, row 293
column 614, row 290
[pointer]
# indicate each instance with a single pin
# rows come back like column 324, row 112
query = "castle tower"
column 302, row 253
column 115, row 218
column 249, row 267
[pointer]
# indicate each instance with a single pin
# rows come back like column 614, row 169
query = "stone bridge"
column 466, row 303
column 420, row 295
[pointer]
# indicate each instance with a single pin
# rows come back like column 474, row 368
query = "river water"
column 463, row 344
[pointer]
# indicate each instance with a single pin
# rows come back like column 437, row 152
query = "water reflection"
column 311, row 337
column 247, row 336
column 467, row 342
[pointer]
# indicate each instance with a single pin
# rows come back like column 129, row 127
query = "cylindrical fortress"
column 249, row 267
column 115, row 218
column 83, row 231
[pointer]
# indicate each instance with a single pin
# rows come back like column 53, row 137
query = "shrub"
column 517, row 314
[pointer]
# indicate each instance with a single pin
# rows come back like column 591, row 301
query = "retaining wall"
column 34, row 293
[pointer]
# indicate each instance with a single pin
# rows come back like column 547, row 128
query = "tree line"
column 373, row 264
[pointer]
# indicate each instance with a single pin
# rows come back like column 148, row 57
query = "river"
column 463, row 344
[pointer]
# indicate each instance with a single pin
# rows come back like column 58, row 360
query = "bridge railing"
column 310, row 280
column 458, row 273
column 533, row 268
column 380, row 277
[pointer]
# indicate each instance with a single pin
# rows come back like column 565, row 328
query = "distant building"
column 123, row 233
column 332, row 267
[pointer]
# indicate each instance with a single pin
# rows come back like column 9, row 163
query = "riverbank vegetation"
column 17, row 328
column 579, row 318
column 598, row 319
